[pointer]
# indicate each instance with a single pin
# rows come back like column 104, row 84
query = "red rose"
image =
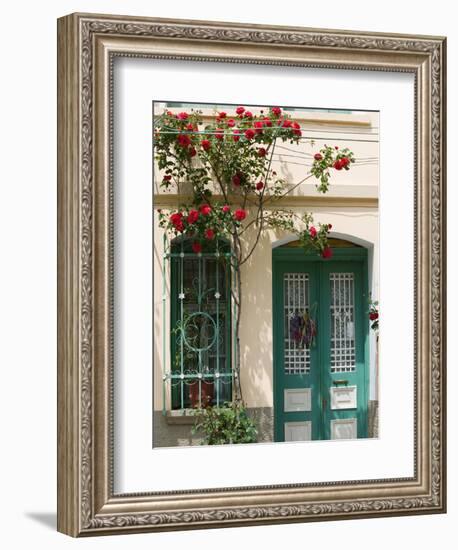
column 240, row 110
column 196, row 247
column 249, row 134
column 344, row 161
column 297, row 129
column 318, row 156
column 259, row 125
column 327, row 252
column 259, row 185
column 205, row 144
column 373, row 315
column 205, row 209
column 169, row 113
column 262, row 152
column 222, row 114
column 219, row 133
column 335, row 147
column 226, row 208
column 286, row 123
column 184, row 140
column 167, row 178
column 231, row 123
column 240, row 214
column 338, row 164
column 209, row 234
column 190, row 127
column 193, row 216
column 267, row 121
column 192, row 152
column 236, row 133
column 329, row 227
column 312, row 232
column 276, row 111
column 177, row 221
column 248, row 114
column 183, row 116
column 236, row 179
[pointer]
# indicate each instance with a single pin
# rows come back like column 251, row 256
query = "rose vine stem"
column 240, row 260
column 261, row 218
column 260, row 212
column 238, row 395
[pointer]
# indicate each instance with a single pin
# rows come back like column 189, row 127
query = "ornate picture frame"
column 87, row 46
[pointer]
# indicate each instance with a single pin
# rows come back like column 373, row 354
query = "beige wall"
column 357, row 131
column 351, row 207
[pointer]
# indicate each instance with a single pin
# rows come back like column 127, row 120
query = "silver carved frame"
column 87, row 45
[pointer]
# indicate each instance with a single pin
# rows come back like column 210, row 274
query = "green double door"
column 320, row 335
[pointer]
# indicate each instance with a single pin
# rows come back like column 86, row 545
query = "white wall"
column 28, row 274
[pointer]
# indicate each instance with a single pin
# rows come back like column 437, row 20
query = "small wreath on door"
column 303, row 328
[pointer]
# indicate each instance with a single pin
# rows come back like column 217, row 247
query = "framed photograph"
column 251, row 290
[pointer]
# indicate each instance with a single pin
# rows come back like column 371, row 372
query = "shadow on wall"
column 256, row 325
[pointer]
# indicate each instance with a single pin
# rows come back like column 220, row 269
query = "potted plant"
column 201, row 397
column 227, row 424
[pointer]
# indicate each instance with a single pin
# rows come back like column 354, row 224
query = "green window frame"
column 200, row 372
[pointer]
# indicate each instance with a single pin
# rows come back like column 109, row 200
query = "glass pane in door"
column 342, row 313
column 296, row 308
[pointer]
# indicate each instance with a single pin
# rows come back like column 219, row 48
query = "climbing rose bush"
column 329, row 158
column 228, row 163
column 235, row 152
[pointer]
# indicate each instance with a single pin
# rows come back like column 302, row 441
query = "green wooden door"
column 320, row 384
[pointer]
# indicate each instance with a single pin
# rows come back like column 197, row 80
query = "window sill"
column 180, row 417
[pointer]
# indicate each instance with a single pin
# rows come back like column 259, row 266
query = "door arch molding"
column 332, row 235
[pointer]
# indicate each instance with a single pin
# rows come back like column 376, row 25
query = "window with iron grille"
column 200, row 372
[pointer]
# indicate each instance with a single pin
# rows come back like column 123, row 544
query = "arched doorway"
column 320, row 336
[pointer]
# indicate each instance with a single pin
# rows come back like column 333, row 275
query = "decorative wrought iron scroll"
column 199, row 371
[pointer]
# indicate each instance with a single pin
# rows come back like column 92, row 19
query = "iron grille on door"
column 342, row 322
column 296, row 304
